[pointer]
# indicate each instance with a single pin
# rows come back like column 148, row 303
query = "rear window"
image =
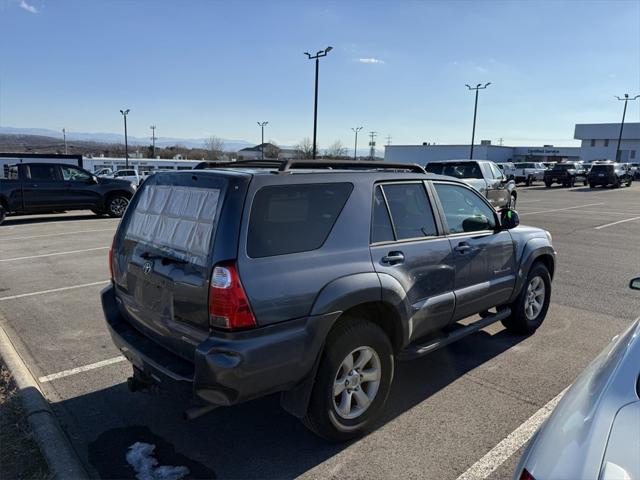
column 176, row 220
column 42, row 172
column 563, row 167
column 602, row 168
column 457, row 170
column 294, row 218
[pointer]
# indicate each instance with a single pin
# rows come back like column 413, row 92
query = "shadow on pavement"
column 50, row 218
column 256, row 439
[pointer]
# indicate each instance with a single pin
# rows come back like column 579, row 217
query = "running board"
column 415, row 351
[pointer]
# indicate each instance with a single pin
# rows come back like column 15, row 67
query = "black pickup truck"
column 47, row 187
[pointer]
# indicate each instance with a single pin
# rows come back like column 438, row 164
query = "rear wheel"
column 353, row 381
column 531, row 306
column 547, row 184
column 629, row 182
column 3, row 213
column 584, row 182
column 592, row 185
column 117, row 205
column 528, row 182
column 99, row 213
column 512, row 201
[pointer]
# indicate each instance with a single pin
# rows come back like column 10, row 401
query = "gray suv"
column 311, row 279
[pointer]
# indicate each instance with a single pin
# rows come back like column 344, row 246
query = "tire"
column 528, row 182
column 592, row 185
column 572, row 182
column 3, row 214
column 324, row 416
column 117, row 205
column 99, row 213
column 547, row 184
column 520, row 321
column 584, row 183
column 629, row 183
column 512, row 201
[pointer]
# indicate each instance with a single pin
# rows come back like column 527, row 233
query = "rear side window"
column 410, row 210
column 42, row 172
column 294, row 218
column 175, row 219
column 381, row 229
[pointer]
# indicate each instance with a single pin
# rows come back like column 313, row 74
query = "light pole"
column 64, row 136
column 126, row 146
column 316, row 57
column 624, row 112
column 475, row 111
column 262, row 125
column 355, row 147
column 153, row 141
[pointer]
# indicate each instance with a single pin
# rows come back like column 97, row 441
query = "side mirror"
column 635, row 284
column 92, row 179
column 509, row 218
column 476, row 224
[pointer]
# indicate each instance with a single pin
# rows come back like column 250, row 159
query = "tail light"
column 525, row 475
column 228, row 304
column 111, row 257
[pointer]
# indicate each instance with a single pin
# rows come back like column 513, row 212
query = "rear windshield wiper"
column 165, row 260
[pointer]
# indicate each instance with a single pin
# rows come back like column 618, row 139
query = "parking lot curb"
column 54, row 444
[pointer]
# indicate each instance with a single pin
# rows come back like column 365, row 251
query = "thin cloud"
column 29, row 8
column 370, row 60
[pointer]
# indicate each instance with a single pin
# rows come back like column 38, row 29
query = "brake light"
column 111, row 256
column 525, row 475
column 228, row 304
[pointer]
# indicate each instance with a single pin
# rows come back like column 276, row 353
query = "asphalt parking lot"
column 446, row 412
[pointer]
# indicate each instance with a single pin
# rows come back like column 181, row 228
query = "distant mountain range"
column 229, row 144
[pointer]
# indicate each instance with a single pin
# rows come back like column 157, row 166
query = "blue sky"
column 196, row 68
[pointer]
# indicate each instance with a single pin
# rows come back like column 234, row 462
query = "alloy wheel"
column 356, row 383
column 535, row 298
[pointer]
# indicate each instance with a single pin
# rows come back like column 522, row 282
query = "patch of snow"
column 140, row 457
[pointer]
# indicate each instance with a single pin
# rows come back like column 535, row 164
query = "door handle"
column 462, row 247
column 393, row 258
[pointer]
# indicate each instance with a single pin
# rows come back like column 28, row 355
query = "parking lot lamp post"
column 355, row 147
column 624, row 112
column 475, row 111
column 153, row 140
column 126, row 146
column 64, row 136
column 262, row 125
column 316, row 57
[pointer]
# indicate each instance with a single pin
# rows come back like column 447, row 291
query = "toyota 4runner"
column 311, row 279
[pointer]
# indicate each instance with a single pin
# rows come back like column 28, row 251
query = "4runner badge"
column 147, row 268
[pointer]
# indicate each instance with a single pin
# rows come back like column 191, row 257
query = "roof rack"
column 288, row 165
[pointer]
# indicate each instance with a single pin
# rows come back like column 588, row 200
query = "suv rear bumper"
column 227, row 368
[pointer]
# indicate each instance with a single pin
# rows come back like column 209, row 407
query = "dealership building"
column 598, row 142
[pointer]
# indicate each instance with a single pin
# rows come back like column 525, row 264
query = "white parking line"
column 560, row 209
column 59, row 221
column 56, row 234
column 616, row 223
column 85, row 368
column 52, row 254
column 511, row 444
column 53, row 290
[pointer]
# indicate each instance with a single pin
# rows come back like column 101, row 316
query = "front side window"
column 294, row 218
column 74, row 174
column 410, row 210
column 497, row 174
column 44, row 173
column 464, row 210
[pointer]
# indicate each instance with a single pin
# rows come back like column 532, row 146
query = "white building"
column 599, row 142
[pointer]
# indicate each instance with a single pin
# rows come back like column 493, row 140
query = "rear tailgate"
column 176, row 228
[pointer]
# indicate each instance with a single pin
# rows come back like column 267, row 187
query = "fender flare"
column 532, row 251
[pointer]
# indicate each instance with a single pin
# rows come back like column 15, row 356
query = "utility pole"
column 372, row 145
column 475, row 111
column 500, row 141
column 624, row 112
column 262, row 125
column 153, row 141
column 316, row 57
column 126, row 145
column 388, row 139
column 64, row 136
column 355, row 146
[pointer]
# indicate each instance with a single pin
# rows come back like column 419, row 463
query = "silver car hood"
column 600, row 413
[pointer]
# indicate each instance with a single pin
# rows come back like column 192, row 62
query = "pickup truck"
column 527, row 172
column 483, row 175
column 48, row 187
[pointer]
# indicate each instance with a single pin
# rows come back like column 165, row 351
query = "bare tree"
column 305, row 147
column 215, row 147
column 336, row 150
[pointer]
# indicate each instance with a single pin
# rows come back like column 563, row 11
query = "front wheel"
column 117, row 205
column 531, row 306
column 353, row 381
